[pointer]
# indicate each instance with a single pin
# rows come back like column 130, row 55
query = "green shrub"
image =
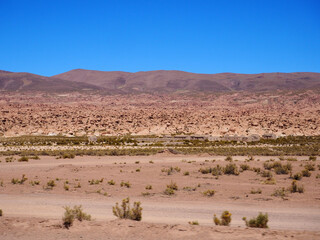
column 258, row 191
column 267, row 174
column 245, row 167
column 225, row 219
column 193, row 223
column 217, row 170
column 295, row 188
column 280, row 192
column 257, row 170
column 172, row 185
column 171, row 170
column 68, row 155
column 270, row 181
column 35, row 183
column 261, row 221
column 231, row 168
column 228, row 158
column 71, row 214
column 125, row 184
column 66, row 187
column 297, row 176
column 23, row 159
column 126, row 212
column 51, row 184
column 186, row 173
column 209, row 193
column 169, row 191
column 111, row 182
column 312, row 158
column 21, row 181
column 309, row 167
column 306, row 173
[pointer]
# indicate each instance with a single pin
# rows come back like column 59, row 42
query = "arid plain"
column 93, row 148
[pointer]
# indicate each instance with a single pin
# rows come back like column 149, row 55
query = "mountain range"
column 161, row 81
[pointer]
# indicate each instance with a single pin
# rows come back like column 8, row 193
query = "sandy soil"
column 36, row 211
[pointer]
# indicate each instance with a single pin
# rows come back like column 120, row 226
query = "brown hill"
column 170, row 81
column 10, row 81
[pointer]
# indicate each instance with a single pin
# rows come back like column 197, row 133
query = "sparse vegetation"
column 306, row 173
column 126, row 212
column 71, row 214
column 148, row 187
column 225, row 219
column 111, row 182
column 125, row 184
column 257, row 191
column 23, row 159
column 193, row 223
column 280, row 192
column 245, row 167
column 295, row 187
column 209, row 193
column 261, row 221
column 19, row 181
column 231, row 169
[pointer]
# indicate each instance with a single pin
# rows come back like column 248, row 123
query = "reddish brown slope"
column 10, row 81
column 169, row 81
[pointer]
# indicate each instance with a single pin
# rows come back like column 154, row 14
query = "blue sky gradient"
column 244, row 36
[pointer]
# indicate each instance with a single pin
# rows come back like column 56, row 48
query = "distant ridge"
column 161, row 81
column 10, row 81
column 171, row 81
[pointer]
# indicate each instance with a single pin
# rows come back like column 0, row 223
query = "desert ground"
column 34, row 210
column 283, row 113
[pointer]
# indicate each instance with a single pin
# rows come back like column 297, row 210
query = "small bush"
column 125, row 184
column 173, row 186
column 71, row 214
column 258, row 191
column 23, row 159
column 1, row 213
column 261, row 221
column 51, row 184
column 171, row 170
column 309, row 167
column 148, row 187
column 312, row 158
column 245, row 167
column 270, row 181
column 280, row 192
column 35, row 183
column 68, row 155
column 297, row 176
column 306, row 173
column 186, row 173
column 231, row 169
column 126, row 212
column 193, row 223
column 228, row 159
column 225, row 219
column 267, row 174
column 257, row 170
column 111, row 182
column 66, row 187
column 209, row 193
column 169, row 191
column 295, row 188
column 21, row 181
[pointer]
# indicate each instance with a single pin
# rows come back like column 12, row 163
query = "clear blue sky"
column 51, row 37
